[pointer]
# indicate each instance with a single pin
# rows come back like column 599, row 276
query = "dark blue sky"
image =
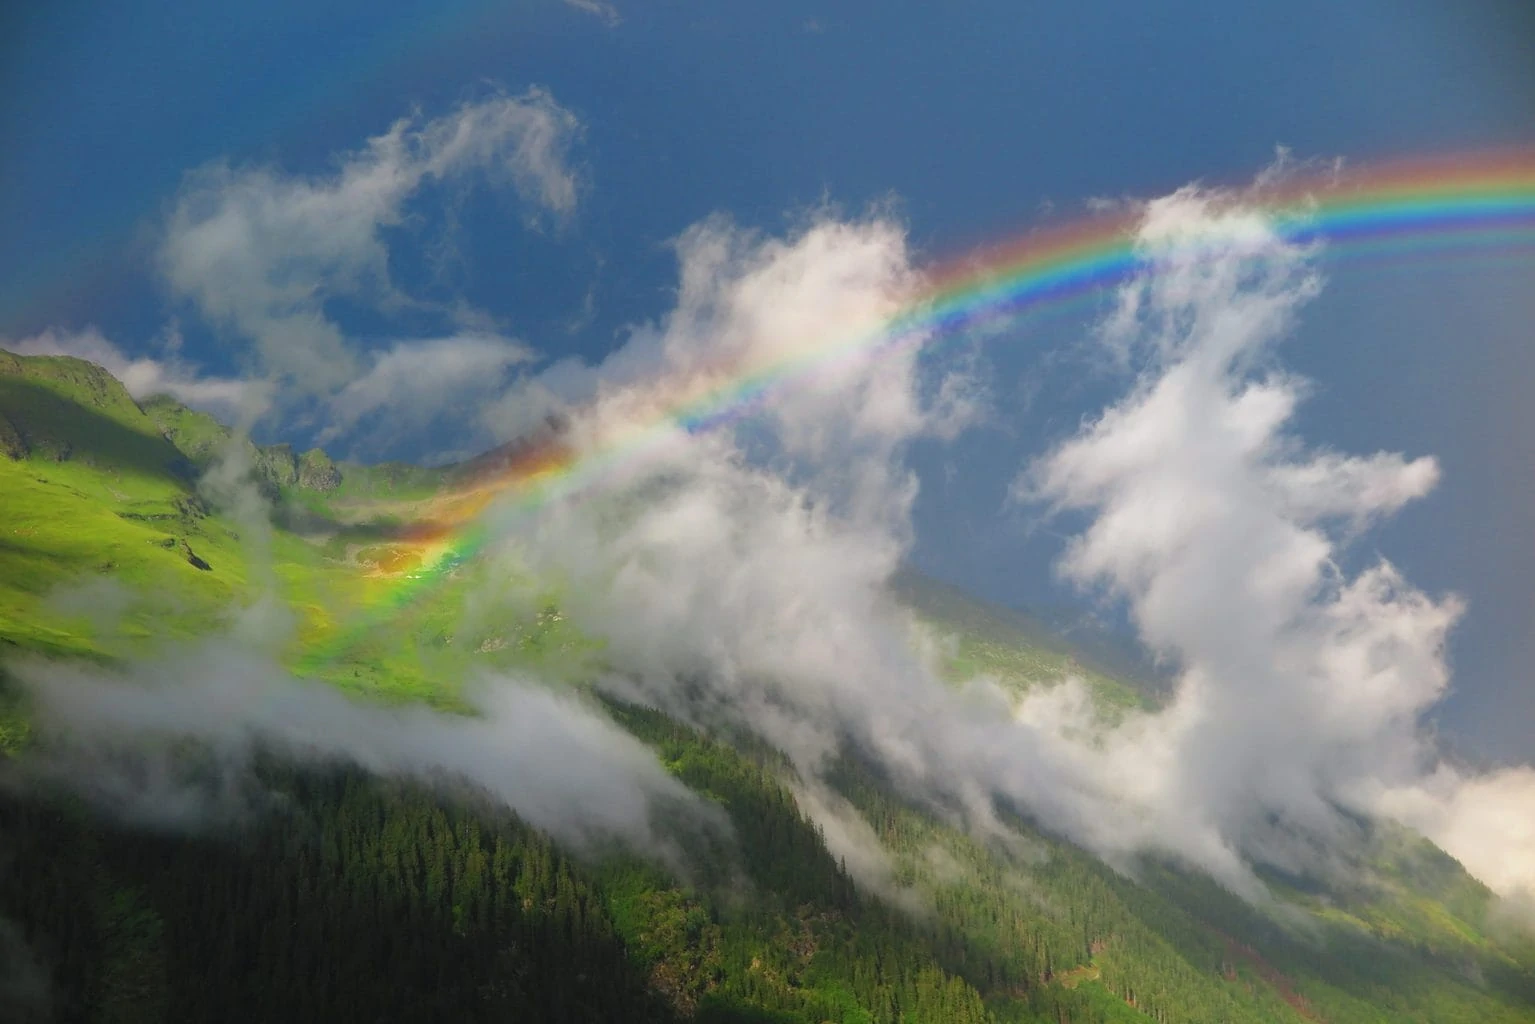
column 973, row 116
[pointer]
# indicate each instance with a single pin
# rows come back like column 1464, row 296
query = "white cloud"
column 790, row 315
column 750, row 590
column 739, row 577
column 145, row 377
column 598, row 8
column 260, row 252
column 525, row 139
column 414, row 385
column 561, row 765
column 1485, row 821
column 1301, row 688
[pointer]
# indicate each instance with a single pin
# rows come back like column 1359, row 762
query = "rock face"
column 12, row 444
column 276, row 464
column 195, row 434
column 316, row 471
column 193, row 559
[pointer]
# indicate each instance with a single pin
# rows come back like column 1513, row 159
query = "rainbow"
column 1448, row 207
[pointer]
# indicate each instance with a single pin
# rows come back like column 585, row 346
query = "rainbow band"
column 1434, row 208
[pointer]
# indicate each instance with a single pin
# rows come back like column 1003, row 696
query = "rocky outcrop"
column 12, row 444
column 195, row 434
column 193, row 559
column 316, row 471
column 276, row 464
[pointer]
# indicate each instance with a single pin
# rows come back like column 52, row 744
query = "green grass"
column 196, row 435
column 64, row 524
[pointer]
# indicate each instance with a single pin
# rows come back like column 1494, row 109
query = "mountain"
column 342, row 896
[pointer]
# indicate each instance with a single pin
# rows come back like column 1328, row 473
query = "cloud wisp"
column 605, row 12
column 1222, row 535
column 408, row 388
column 559, row 764
column 262, row 255
column 260, row 252
column 1303, row 688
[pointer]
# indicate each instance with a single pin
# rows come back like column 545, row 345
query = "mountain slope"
column 348, row 897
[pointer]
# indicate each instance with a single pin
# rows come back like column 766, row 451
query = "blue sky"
column 976, row 120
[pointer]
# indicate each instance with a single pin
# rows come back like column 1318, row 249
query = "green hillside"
column 353, row 898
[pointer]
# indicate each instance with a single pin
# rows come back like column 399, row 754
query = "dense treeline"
column 363, row 901
column 355, row 899
column 366, row 900
column 1047, row 925
column 1177, row 947
column 793, row 935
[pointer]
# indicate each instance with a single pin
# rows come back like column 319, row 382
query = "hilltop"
column 356, row 898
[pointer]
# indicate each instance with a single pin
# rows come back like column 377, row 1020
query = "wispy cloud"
column 415, row 385
column 1485, row 820
column 738, row 577
column 559, row 764
column 1211, row 522
column 260, row 252
column 1302, row 688
column 599, row 9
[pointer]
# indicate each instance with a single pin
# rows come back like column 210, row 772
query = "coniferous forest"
column 347, row 898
